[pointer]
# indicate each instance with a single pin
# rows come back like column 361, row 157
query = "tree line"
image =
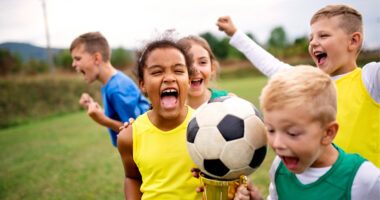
column 278, row 44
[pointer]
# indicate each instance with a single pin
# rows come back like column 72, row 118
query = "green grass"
column 71, row 157
column 68, row 157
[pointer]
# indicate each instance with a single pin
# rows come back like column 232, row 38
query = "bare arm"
column 132, row 182
column 96, row 112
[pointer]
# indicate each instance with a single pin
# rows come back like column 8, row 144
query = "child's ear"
column 98, row 58
column 330, row 133
column 356, row 41
column 142, row 87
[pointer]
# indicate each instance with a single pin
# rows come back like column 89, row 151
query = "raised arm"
column 259, row 57
column 132, row 180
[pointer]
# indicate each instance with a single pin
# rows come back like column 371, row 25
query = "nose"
column 276, row 141
column 313, row 43
column 169, row 78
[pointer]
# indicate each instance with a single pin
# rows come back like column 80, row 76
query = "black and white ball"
column 226, row 138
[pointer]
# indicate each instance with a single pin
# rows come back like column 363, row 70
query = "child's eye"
column 179, row 71
column 154, row 73
column 292, row 134
column 203, row 62
column 270, row 130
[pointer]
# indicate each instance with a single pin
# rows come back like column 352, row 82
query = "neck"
column 328, row 158
column 196, row 101
column 166, row 124
column 106, row 72
column 348, row 67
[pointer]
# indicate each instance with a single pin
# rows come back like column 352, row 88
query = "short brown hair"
column 93, row 42
column 302, row 86
column 351, row 19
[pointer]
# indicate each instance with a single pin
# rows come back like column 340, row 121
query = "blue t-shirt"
column 122, row 100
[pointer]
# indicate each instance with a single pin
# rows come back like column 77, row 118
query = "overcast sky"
column 126, row 23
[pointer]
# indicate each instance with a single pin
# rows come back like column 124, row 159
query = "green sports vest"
column 217, row 93
column 334, row 185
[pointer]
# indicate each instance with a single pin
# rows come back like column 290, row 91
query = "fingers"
column 85, row 100
column 225, row 24
column 242, row 193
column 199, row 189
column 195, row 172
column 126, row 124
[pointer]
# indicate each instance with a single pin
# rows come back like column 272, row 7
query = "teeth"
column 169, row 91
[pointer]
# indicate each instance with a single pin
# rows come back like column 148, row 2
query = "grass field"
column 71, row 157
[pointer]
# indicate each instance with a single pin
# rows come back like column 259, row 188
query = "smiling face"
column 203, row 71
column 296, row 138
column 166, row 82
column 329, row 46
column 85, row 63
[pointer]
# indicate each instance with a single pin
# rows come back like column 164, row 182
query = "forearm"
column 259, row 57
column 132, row 189
column 108, row 122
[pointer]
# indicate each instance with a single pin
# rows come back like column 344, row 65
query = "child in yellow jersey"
column 335, row 41
column 153, row 149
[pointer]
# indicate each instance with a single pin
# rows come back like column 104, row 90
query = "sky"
column 128, row 23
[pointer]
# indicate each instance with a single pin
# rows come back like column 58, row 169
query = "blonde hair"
column 302, row 86
column 350, row 19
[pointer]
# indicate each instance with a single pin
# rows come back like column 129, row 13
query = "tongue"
column 195, row 84
column 168, row 101
column 290, row 162
column 321, row 60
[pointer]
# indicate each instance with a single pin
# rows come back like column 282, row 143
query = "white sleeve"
column 259, row 57
column 272, row 186
column 371, row 79
column 366, row 183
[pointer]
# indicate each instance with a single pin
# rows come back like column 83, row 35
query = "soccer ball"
column 226, row 138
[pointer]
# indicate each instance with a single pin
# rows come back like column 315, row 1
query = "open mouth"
column 321, row 57
column 290, row 162
column 169, row 98
column 196, row 82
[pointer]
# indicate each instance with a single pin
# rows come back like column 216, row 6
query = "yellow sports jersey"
column 359, row 118
column 163, row 160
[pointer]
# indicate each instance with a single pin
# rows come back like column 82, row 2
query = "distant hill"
column 28, row 51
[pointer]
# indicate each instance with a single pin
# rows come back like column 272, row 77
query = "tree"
column 9, row 63
column 121, row 58
column 277, row 41
column 63, row 59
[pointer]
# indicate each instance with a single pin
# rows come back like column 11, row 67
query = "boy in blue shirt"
column 121, row 97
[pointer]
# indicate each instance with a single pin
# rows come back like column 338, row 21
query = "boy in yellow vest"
column 335, row 42
column 299, row 108
column 153, row 149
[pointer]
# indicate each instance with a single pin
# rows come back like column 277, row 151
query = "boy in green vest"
column 335, row 41
column 299, row 107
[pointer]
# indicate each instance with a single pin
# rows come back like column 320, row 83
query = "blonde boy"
column 299, row 107
column 335, row 42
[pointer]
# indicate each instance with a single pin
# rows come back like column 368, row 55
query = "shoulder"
column 124, row 139
column 215, row 93
column 366, row 182
column 121, row 82
column 371, row 69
